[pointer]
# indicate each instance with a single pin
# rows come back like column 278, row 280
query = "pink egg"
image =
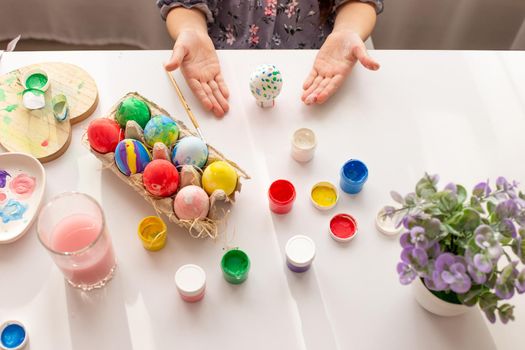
column 192, row 202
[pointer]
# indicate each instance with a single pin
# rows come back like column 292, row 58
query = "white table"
column 460, row 114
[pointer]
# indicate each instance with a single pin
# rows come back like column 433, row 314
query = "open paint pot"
column 35, row 78
column 281, row 196
column 300, row 252
column 303, row 145
column 152, row 232
column 324, row 195
column 13, row 336
column 191, row 282
column 235, row 266
column 388, row 225
column 354, row 174
column 343, row 227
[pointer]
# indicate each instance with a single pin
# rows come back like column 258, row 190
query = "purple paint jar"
column 300, row 252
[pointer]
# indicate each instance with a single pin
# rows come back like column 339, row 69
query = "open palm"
column 335, row 60
column 195, row 54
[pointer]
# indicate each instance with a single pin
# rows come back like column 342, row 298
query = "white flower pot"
column 433, row 304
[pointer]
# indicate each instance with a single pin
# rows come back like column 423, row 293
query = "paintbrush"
column 186, row 106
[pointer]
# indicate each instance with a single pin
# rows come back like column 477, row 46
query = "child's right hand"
column 195, row 54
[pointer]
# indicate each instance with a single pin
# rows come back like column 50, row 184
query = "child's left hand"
column 335, row 60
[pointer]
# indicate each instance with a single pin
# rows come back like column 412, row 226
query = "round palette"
column 22, row 183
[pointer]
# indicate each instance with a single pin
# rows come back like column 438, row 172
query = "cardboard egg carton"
column 198, row 228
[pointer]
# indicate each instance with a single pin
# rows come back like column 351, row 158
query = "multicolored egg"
column 219, row 175
column 161, row 129
column 265, row 84
column 133, row 109
column 161, row 178
column 190, row 150
column 191, row 203
column 131, row 157
column 104, row 134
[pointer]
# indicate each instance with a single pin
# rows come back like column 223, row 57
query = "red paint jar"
column 281, row 196
column 343, row 227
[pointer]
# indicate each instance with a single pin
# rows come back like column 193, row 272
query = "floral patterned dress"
column 263, row 24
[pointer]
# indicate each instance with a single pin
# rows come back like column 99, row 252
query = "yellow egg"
column 219, row 175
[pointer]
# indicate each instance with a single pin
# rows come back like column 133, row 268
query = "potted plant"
column 461, row 250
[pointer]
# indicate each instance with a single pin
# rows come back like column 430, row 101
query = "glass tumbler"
column 73, row 230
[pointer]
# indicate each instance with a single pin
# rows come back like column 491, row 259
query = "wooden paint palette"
column 37, row 132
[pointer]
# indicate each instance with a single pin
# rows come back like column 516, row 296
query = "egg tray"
column 197, row 228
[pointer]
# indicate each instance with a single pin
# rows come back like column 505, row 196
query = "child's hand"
column 335, row 60
column 195, row 54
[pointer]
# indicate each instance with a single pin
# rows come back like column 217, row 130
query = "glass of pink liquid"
column 73, row 230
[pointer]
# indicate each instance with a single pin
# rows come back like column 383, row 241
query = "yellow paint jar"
column 153, row 233
column 324, row 195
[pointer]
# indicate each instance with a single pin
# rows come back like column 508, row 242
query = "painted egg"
column 161, row 178
column 133, row 109
column 104, row 134
column 131, row 157
column 266, row 82
column 161, row 129
column 191, row 203
column 219, row 175
column 190, row 150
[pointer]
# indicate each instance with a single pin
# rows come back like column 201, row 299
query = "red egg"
column 104, row 134
column 161, row 178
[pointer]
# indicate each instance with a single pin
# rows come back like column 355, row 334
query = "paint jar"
column 190, row 280
column 300, row 252
column 303, row 145
column 388, row 225
column 13, row 336
column 235, row 266
column 281, row 196
column 324, row 195
column 343, row 227
column 33, row 99
column 73, row 229
column 35, row 78
column 152, row 232
column 354, row 174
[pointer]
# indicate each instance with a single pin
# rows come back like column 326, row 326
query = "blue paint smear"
column 13, row 335
column 3, row 178
column 13, row 210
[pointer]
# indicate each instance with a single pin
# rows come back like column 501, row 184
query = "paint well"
column 282, row 191
column 304, row 138
column 36, row 81
column 324, row 195
column 235, row 264
column 13, row 336
column 355, row 171
column 343, row 227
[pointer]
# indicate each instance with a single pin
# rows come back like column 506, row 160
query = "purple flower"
column 406, row 273
column 477, row 276
column 482, row 263
column 502, row 184
column 404, row 240
column 417, row 235
column 504, row 291
column 452, row 188
column 485, row 239
column 504, row 288
column 507, row 209
column 507, row 228
column 451, row 272
column 481, row 190
column 520, row 282
column 416, row 257
column 434, row 250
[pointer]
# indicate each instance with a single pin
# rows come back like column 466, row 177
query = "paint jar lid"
column 35, row 78
column 343, row 227
column 300, row 250
column 13, row 336
column 387, row 225
column 190, row 279
column 324, row 199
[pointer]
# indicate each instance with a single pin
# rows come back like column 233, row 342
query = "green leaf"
column 476, row 205
column 491, row 207
column 462, row 193
column 471, row 298
column 452, row 231
column 447, row 201
column 425, row 188
column 470, row 220
column 488, row 300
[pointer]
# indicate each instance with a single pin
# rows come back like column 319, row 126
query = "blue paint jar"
column 354, row 174
column 12, row 336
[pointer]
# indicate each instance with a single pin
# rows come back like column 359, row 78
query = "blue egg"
column 190, row 150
